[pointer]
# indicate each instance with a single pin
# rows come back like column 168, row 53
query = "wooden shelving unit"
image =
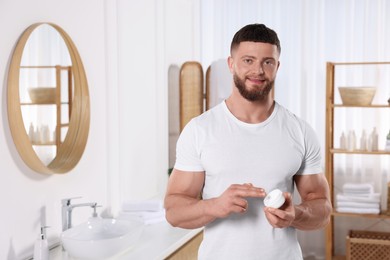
column 58, row 100
column 331, row 151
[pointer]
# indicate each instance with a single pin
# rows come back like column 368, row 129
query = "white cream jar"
column 274, row 199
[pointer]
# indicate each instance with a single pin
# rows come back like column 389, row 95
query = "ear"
column 230, row 62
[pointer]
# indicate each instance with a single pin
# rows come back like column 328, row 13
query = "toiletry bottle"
column 45, row 134
column 387, row 147
column 37, row 135
column 42, row 134
column 351, row 141
column 31, row 132
column 41, row 247
column 343, row 142
column 369, row 143
column 363, row 141
column 374, row 140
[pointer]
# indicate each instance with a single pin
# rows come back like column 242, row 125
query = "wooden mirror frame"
column 70, row 151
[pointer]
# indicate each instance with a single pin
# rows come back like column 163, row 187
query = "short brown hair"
column 255, row 33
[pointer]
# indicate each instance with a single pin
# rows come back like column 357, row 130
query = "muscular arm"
column 314, row 210
column 182, row 200
column 185, row 209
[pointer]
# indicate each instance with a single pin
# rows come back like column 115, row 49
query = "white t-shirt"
column 268, row 155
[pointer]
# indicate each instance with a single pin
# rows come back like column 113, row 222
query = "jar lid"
column 274, row 199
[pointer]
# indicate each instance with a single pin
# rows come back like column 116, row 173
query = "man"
column 231, row 156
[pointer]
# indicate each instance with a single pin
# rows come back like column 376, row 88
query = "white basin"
column 100, row 238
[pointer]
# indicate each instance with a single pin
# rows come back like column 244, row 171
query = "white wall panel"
column 126, row 47
column 27, row 198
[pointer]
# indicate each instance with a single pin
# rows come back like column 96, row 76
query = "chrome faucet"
column 67, row 209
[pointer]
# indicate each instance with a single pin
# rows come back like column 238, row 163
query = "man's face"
column 254, row 66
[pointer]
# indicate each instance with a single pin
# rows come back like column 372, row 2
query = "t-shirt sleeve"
column 312, row 159
column 187, row 149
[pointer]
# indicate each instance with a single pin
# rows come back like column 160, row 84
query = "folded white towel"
column 144, row 214
column 350, row 185
column 358, row 210
column 354, row 194
column 143, row 205
column 358, row 188
column 148, row 217
column 372, row 198
column 347, row 204
column 154, row 220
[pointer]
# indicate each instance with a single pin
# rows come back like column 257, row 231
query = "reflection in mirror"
column 45, row 89
column 48, row 99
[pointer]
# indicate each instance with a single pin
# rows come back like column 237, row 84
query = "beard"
column 253, row 95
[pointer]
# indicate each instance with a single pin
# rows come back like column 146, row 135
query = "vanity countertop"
column 157, row 242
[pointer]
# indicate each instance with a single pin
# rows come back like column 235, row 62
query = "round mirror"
column 48, row 100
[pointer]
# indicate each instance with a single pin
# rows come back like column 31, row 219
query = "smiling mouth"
column 257, row 80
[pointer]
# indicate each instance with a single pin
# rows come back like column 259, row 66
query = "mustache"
column 259, row 95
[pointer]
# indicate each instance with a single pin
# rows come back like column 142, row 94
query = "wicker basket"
column 42, row 95
column 368, row 245
column 357, row 96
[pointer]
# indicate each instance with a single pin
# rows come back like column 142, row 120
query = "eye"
column 269, row 62
column 248, row 61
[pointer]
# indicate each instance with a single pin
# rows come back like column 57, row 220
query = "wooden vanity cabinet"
column 189, row 251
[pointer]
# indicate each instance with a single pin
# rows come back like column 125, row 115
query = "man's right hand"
column 233, row 199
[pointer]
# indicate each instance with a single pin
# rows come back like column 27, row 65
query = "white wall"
column 162, row 37
column 126, row 48
column 28, row 198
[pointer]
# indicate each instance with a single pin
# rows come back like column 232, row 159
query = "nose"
column 259, row 68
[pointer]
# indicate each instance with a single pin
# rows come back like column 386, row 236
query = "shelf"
column 43, row 144
column 332, row 111
column 37, row 104
column 361, row 63
column 376, row 216
column 368, row 106
column 342, row 151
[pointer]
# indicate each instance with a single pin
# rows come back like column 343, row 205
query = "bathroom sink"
column 100, row 238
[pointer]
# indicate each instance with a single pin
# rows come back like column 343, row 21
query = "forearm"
column 186, row 212
column 312, row 214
